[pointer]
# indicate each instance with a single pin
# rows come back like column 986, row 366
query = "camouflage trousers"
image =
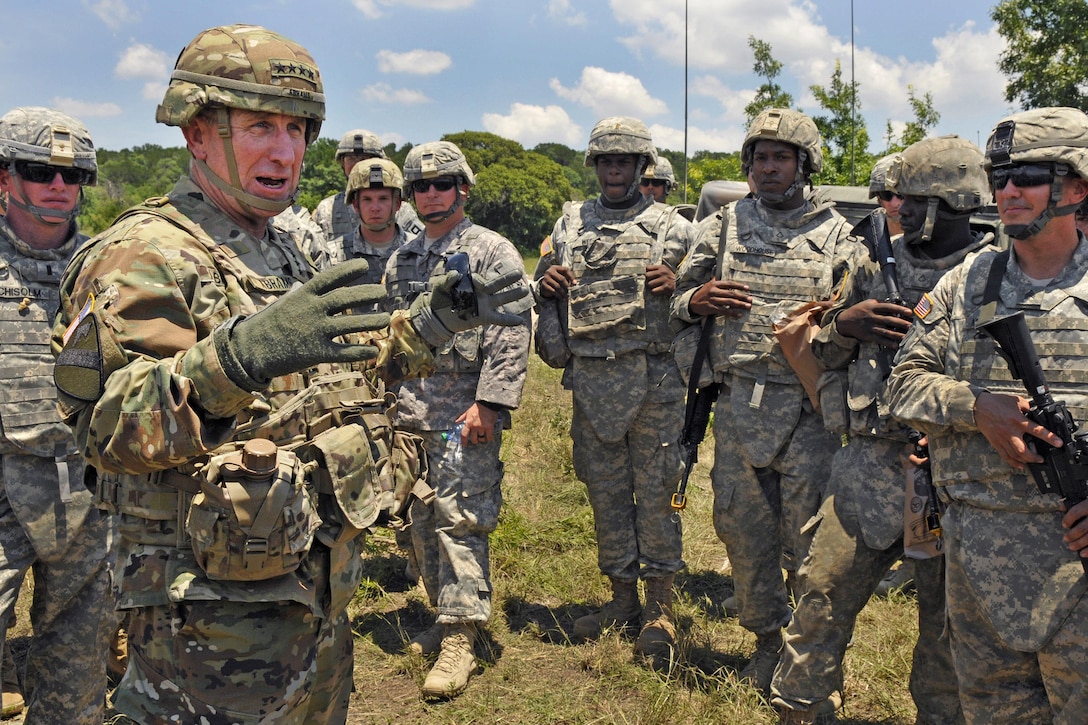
column 1000, row 685
column 253, row 663
column 836, row 580
column 630, row 484
column 450, row 534
column 760, row 514
column 71, row 614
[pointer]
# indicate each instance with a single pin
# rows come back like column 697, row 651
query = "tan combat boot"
column 621, row 613
column 760, row 668
column 657, row 640
column 456, row 662
column 427, row 642
column 12, row 692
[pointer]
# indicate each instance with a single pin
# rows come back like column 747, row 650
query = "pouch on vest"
column 366, row 472
column 253, row 518
column 600, row 306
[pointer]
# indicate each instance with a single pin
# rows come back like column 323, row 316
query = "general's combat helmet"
column 360, row 142
column 787, row 126
column 249, row 68
column 878, row 177
column 948, row 169
column 34, row 135
column 376, row 174
column 1056, row 137
column 431, row 160
column 661, row 169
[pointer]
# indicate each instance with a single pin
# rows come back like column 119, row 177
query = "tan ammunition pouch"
column 249, row 524
column 365, row 472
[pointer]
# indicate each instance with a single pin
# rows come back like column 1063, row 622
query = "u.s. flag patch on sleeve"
column 924, row 307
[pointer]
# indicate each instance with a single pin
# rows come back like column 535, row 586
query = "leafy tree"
column 582, row 178
column 711, row 166
column 1046, row 56
column 322, row 175
column 770, row 94
column 845, row 136
column 925, row 117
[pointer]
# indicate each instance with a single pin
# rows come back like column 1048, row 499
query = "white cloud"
column 141, row 61
column 385, row 93
column 530, row 125
column 86, row 109
column 560, row 10
column 418, row 62
column 374, row 8
column 699, row 138
column 113, row 13
column 611, row 94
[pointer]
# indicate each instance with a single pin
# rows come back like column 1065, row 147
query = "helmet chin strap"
column 1026, row 231
column 441, row 216
column 56, row 218
column 250, row 202
column 933, row 213
column 382, row 226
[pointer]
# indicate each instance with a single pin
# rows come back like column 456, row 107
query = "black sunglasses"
column 421, row 186
column 654, row 182
column 1021, row 176
column 888, row 195
column 45, row 173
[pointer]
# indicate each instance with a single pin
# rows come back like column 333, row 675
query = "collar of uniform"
column 612, row 216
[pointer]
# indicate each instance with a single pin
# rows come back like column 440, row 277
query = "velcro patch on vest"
column 924, row 307
column 79, row 369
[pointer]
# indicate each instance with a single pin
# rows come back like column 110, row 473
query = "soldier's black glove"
column 298, row 330
column 436, row 321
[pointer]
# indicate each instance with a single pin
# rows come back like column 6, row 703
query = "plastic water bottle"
column 453, row 442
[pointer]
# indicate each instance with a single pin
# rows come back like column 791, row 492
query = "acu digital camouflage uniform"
column 47, row 522
column 772, row 453
column 613, row 341
column 336, row 216
column 201, row 649
column 488, row 365
column 859, row 529
column 1018, row 616
column 296, row 223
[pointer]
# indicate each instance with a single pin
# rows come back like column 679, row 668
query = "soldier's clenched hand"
column 884, row 323
column 721, row 297
column 555, row 282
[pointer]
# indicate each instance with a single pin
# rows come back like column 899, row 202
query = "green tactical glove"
column 297, row 331
column 436, row 321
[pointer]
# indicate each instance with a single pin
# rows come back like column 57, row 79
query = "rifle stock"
column 700, row 404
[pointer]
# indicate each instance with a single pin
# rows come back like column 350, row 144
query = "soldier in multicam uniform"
column 603, row 285
column 190, row 328
column 753, row 262
column 860, row 523
column 335, row 215
column 48, row 523
column 1017, row 614
column 460, row 411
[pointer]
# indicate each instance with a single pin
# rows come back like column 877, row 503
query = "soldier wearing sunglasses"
column 1017, row 614
column 47, row 522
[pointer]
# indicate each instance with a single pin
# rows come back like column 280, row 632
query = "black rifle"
column 931, row 515
column 1064, row 471
column 700, row 404
column 874, row 230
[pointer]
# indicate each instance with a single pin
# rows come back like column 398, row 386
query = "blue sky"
column 530, row 70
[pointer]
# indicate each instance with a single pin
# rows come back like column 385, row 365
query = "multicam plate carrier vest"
column 353, row 468
column 609, row 311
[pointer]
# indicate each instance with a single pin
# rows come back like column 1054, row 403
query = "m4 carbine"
column 1064, row 471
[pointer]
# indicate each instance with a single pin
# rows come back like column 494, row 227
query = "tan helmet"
column 433, row 159
column 1056, row 137
column 374, row 174
column 945, row 168
column 794, row 128
column 249, row 68
column 621, row 135
column 360, row 142
column 661, row 169
column 878, row 177
column 35, row 135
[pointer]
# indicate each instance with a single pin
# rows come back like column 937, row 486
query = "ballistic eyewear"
column 45, row 173
column 654, row 182
column 421, row 186
column 888, row 195
column 1021, row 176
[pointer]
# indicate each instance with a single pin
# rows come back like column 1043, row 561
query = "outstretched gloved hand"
column 298, row 330
column 435, row 319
